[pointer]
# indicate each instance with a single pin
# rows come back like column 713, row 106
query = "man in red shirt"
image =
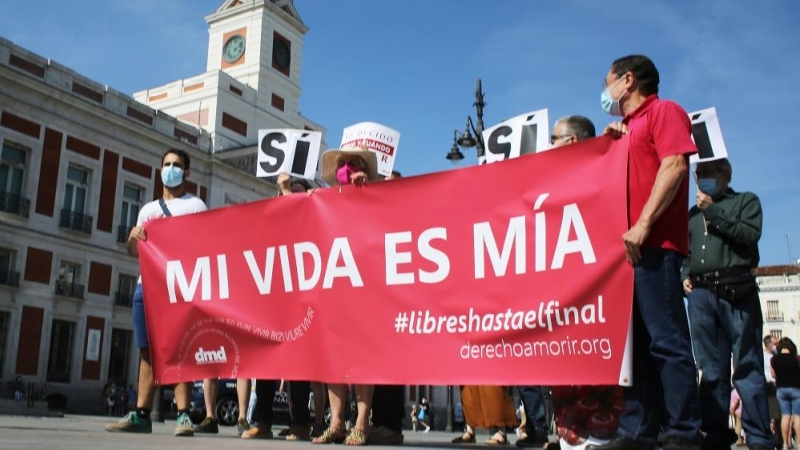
column 664, row 391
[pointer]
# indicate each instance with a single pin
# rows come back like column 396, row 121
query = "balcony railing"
column 14, row 204
column 9, row 278
column 123, row 298
column 73, row 290
column 76, row 221
column 774, row 317
column 122, row 234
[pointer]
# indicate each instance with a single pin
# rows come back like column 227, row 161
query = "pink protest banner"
column 512, row 273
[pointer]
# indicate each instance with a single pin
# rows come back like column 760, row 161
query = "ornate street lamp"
column 466, row 138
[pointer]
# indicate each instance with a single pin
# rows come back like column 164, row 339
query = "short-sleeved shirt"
column 787, row 370
column 658, row 129
column 186, row 204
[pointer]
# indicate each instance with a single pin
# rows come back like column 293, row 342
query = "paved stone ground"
column 87, row 433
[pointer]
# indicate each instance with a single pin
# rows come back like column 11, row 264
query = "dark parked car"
column 227, row 404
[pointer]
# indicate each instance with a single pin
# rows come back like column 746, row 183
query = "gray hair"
column 579, row 126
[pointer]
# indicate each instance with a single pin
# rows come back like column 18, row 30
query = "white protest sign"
column 520, row 135
column 288, row 150
column 707, row 136
column 380, row 139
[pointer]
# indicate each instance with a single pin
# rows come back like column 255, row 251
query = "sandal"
column 466, row 438
column 498, row 438
column 356, row 437
column 331, row 435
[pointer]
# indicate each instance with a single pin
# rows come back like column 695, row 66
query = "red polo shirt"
column 658, row 129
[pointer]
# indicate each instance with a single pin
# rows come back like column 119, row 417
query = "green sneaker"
column 131, row 423
column 208, row 425
column 184, row 426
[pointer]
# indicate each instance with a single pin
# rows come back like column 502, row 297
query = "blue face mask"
column 708, row 186
column 609, row 103
column 171, row 176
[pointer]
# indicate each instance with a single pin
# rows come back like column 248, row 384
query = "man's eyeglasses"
column 554, row 138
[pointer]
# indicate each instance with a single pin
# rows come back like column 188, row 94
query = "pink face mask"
column 343, row 174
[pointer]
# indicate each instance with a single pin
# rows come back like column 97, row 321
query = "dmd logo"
column 211, row 356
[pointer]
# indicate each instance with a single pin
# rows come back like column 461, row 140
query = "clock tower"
column 252, row 78
column 256, row 42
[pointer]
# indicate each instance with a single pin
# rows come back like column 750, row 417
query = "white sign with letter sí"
column 288, row 150
column 520, row 135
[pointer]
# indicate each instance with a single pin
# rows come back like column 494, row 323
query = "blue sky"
column 413, row 65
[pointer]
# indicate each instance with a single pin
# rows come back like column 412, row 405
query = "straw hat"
column 330, row 162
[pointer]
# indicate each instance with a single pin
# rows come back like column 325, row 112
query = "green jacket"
column 730, row 236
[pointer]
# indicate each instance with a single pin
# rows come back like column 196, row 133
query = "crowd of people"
column 683, row 367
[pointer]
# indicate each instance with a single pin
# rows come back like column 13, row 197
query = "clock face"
column 233, row 49
column 281, row 56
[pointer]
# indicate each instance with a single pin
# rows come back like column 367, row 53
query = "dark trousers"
column 265, row 399
column 664, row 390
column 774, row 410
column 388, row 407
column 533, row 402
column 300, row 393
column 719, row 329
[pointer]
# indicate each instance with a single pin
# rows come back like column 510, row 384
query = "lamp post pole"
column 479, row 104
column 449, row 427
column 465, row 139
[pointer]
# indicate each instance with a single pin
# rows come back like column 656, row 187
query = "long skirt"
column 488, row 407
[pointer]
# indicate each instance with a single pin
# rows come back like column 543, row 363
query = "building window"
column 131, row 202
column 281, row 53
column 777, row 333
column 68, row 277
column 119, row 357
column 76, row 192
column 236, row 125
column 125, row 290
column 12, row 175
column 774, row 310
column 8, row 276
column 62, row 336
column 4, row 319
column 278, row 102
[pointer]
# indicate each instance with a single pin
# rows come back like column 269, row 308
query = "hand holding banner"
column 288, row 150
column 520, row 135
column 377, row 138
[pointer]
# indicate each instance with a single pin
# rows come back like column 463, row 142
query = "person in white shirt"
column 770, row 349
column 175, row 201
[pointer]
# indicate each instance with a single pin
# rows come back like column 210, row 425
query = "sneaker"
column 257, row 432
column 184, row 427
column 532, row 439
column 384, row 436
column 242, row 426
column 298, row 433
column 427, row 430
column 131, row 423
column 208, row 425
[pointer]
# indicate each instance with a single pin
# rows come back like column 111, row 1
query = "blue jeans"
column 721, row 329
column 533, row 402
column 664, row 391
column 789, row 399
column 139, row 324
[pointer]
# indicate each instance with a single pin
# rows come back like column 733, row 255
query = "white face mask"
column 609, row 103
